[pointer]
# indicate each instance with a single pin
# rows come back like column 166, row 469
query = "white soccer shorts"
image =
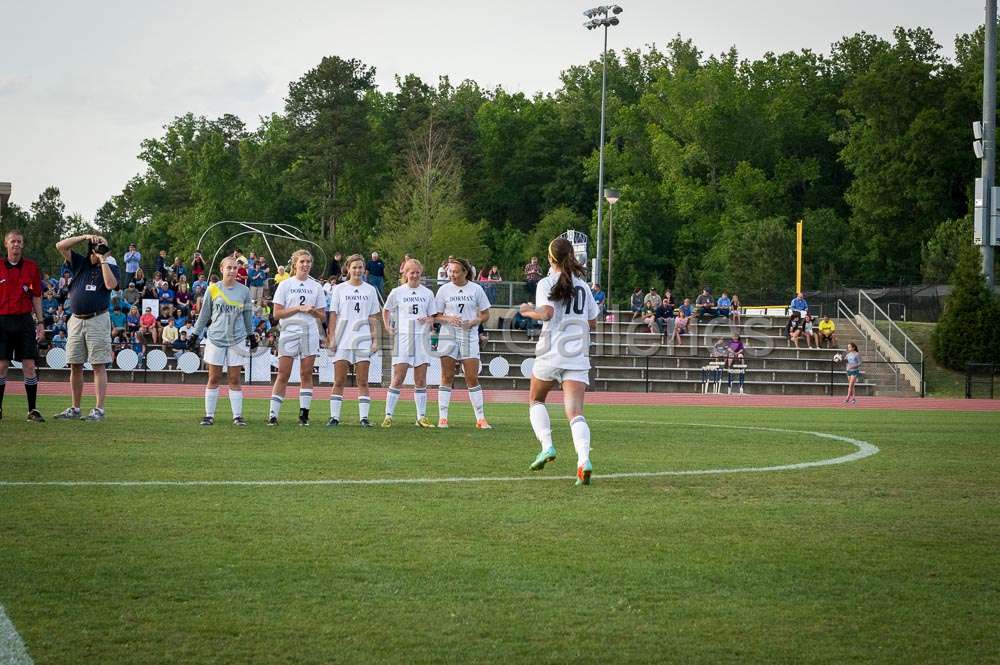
column 353, row 356
column 298, row 343
column 545, row 372
column 459, row 344
column 412, row 350
column 225, row 356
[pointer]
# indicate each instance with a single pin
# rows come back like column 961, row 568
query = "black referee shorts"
column 17, row 337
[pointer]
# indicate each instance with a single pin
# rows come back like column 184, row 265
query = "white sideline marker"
column 12, row 649
column 863, row 449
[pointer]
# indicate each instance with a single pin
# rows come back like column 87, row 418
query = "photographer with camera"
column 89, row 335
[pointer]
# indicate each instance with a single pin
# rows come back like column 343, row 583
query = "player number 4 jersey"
column 353, row 305
column 565, row 339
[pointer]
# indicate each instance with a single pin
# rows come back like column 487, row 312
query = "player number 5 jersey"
column 407, row 305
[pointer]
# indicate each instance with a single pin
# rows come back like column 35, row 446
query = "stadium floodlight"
column 599, row 18
column 977, row 147
column 977, row 129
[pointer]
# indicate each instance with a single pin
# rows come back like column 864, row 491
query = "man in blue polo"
column 89, row 336
column 799, row 304
column 132, row 260
column 376, row 273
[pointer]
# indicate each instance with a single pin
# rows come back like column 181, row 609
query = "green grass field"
column 891, row 558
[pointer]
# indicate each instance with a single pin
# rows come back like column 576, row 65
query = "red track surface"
column 521, row 396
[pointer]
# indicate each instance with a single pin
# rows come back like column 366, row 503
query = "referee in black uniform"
column 20, row 295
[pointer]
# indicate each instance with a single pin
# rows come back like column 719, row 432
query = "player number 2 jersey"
column 293, row 292
column 565, row 338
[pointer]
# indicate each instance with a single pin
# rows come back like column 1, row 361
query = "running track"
column 521, row 396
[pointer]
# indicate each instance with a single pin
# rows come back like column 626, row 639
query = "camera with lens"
column 99, row 248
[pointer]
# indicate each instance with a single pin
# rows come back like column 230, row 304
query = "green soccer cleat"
column 583, row 473
column 544, row 457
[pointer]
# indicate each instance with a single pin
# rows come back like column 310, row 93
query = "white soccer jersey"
column 353, row 305
column 465, row 301
column 408, row 304
column 294, row 292
column 565, row 338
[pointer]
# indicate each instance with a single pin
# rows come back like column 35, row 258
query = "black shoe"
column 304, row 417
column 332, row 422
column 207, row 421
column 365, row 423
column 239, row 422
column 33, row 416
column 272, row 421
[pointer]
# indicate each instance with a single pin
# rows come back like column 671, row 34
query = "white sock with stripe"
column 364, row 406
column 540, row 423
column 336, row 401
column 275, row 409
column 420, row 399
column 444, row 398
column 476, row 397
column 211, row 399
column 305, row 397
column 581, row 439
column 236, row 402
column 391, row 397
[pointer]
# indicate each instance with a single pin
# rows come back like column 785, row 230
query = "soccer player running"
column 299, row 307
column 226, row 313
column 408, row 315
column 351, row 334
column 566, row 305
column 20, row 295
column 462, row 306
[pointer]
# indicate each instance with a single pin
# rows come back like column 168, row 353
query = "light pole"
column 604, row 16
column 612, row 196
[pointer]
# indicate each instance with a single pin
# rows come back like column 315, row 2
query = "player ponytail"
column 562, row 255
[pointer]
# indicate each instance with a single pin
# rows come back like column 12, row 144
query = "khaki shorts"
column 89, row 340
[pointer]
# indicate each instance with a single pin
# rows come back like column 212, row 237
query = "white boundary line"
column 863, row 449
column 12, row 649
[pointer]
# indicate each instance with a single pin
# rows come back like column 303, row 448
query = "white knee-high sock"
column 581, row 439
column 211, row 399
column 364, row 406
column 540, row 423
column 420, row 399
column 275, row 406
column 336, row 401
column 305, row 398
column 444, row 397
column 391, row 397
column 476, row 397
column 236, row 402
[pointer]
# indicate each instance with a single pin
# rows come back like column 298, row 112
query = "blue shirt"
column 799, row 304
column 87, row 293
column 132, row 260
column 724, row 302
column 376, row 268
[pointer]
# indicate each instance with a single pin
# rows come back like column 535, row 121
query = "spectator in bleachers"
column 179, row 319
column 161, row 262
column 118, row 321
column 165, row 295
column 158, row 280
column 139, row 345
column 242, row 270
column 59, row 339
column 799, row 304
column 280, row 276
column 735, row 351
column 179, row 345
column 258, row 276
column 652, row 300
column 599, row 298
column 177, row 269
column 736, row 310
column 139, row 279
column 59, row 325
column 183, row 298
column 682, row 320
column 494, row 274
column 150, row 292
column 793, row 329
column 333, row 270
column 187, row 328
column 169, row 335
column 148, row 326
column 49, row 282
column 668, row 298
column 132, row 321
column 532, row 275
column 50, row 305
column 809, row 331
column 635, row 303
column 662, row 316
column 133, row 258
column 63, row 288
column 724, row 306
column 827, row 333
column 132, row 295
column 704, row 305
column 197, row 267
column 375, row 272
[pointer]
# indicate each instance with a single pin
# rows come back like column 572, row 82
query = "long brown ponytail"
column 561, row 253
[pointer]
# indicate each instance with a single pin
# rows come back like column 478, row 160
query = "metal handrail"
column 893, row 328
column 844, row 312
